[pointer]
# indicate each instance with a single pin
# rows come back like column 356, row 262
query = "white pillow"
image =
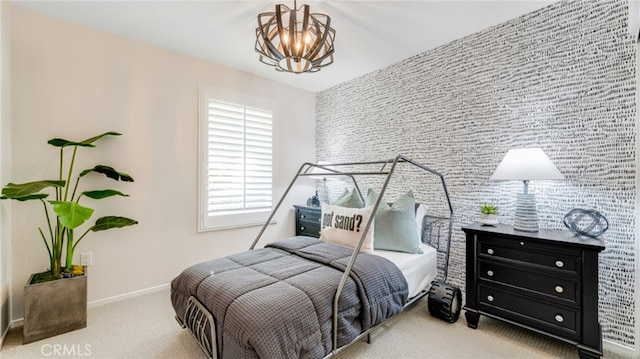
column 342, row 225
column 421, row 211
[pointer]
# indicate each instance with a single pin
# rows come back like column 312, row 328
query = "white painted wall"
column 5, row 168
column 74, row 82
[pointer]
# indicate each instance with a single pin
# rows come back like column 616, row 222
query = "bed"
column 303, row 297
column 418, row 270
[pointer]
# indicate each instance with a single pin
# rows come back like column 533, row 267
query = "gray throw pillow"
column 395, row 225
column 349, row 199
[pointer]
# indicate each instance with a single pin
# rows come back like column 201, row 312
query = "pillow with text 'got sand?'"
column 342, row 225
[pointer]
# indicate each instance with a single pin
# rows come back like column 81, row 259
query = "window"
column 236, row 159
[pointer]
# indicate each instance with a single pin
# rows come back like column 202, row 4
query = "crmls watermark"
column 66, row 350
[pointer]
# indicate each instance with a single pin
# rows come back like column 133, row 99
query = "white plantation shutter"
column 238, row 163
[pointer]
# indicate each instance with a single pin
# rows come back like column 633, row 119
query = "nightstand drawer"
column 306, row 228
column 541, row 315
column 310, row 215
column 561, row 287
column 308, row 221
column 530, row 252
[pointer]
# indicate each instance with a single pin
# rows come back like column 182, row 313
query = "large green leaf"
column 26, row 191
column 109, row 172
column 27, row 198
column 109, row 222
column 103, row 194
column 95, row 138
column 60, row 142
column 71, row 214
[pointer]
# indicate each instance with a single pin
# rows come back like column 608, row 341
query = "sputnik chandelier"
column 295, row 40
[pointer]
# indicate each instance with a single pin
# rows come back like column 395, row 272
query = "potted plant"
column 56, row 299
column 488, row 214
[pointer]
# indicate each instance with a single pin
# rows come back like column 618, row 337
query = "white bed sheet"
column 418, row 269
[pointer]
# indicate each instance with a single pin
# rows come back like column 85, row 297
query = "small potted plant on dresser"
column 488, row 214
column 55, row 301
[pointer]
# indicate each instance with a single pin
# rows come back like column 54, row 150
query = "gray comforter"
column 276, row 302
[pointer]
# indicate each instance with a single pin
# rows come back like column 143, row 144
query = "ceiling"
column 369, row 34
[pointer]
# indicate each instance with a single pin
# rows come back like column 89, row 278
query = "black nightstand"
column 308, row 221
column 545, row 281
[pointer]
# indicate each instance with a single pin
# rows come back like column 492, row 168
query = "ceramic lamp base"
column 526, row 218
column 323, row 193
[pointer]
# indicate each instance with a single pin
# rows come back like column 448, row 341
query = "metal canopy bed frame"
column 200, row 321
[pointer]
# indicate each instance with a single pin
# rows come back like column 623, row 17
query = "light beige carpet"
column 144, row 327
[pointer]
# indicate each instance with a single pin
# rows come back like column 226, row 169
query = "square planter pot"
column 54, row 307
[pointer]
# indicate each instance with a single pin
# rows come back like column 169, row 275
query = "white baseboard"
column 137, row 293
column 116, row 298
column 4, row 334
column 620, row 349
column 16, row 323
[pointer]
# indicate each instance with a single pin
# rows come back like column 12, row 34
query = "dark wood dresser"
column 545, row 281
column 308, row 221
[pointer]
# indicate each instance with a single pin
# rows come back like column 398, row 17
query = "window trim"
column 234, row 220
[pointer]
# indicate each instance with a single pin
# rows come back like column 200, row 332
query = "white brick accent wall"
column 561, row 78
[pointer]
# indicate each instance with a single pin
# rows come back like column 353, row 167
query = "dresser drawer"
column 565, row 288
column 567, row 260
column 508, row 304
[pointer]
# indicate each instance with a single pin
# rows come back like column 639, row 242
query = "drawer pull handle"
column 490, row 298
column 302, row 216
column 490, row 273
column 559, row 318
column 559, row 264
column 302, row 228
column 522, row 243
column 559, row 289
column 490, row 251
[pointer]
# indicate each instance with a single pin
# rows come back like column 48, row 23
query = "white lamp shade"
column 526, row 164
column 318, row 173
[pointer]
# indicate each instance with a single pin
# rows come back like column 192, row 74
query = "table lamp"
column 319, row 173
column 526, row 164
